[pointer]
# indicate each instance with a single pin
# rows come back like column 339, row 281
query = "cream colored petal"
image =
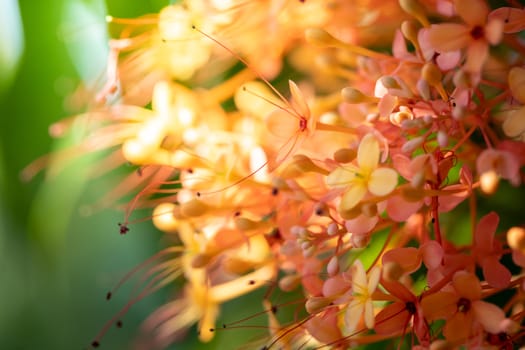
column 517, row 82
column 382, row 181
column 281, row 124
column 514, row 124
column 373, row 279
column 352, row 197
column 353, row 313
column 358, row 278
column 494, row 31
column 299, row 101
column 369, row 314
column 448, row 36
column 473, row 12
column 341, row 177
column 368, row 153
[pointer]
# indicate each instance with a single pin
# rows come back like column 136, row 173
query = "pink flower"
column 474, row 36
column 463, row 309
column 488, row 251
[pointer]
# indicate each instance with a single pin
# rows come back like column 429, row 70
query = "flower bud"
column 369, row 209
column 411, row 145
column 332, row 229
column 414, row 8
column 516, row 238
column 317, row 304
column 345, row 155
column 410, row 31
column 333, row 266
column 320, row 37
column 431, row 73
column 489, row 182
column 164, row 217
column 193, row 208
column 289, row 283
column 441, row 344
column 200, row 260
column 353, row 95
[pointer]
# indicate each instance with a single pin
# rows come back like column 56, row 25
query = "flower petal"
column 448, row 36
column 392, row 319
column 489, row 315
column 407, row 258
column 473, row 12
column 382, row 181
column 497, row 275
column 467, row 285
column 368, row 153
column 440, row 305
column 353, row 313
column 477, row 54
column 353, row 196
column 361, row 224
column 485, row 230
column 341, row 177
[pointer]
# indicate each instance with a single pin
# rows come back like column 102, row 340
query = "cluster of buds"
column 341, row 186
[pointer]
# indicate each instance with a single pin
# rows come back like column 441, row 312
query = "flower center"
column 410, row 307
column 463, row 305
column 477, row 32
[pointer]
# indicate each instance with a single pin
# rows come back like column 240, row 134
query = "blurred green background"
column 55, row 264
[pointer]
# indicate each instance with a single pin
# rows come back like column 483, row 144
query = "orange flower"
column 474, row 36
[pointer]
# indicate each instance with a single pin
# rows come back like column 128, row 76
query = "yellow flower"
column 361, row 303
column 363, row 178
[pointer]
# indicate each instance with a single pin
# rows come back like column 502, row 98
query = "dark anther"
column 410, row 307
column 108, row 295
column 275, row 191
column 477, row 32
column 123, row 228
column 463, row 305
column 95, row 344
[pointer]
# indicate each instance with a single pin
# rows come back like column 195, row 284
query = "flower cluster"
column 290, row 187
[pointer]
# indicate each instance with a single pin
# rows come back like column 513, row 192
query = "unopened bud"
column 423, row 88
column 289, row 283
column 164, row 217
column 412, row 194
column 316, row 304
column 200, row 260
column 410, row 30
column 245, row 224
column 413, row 144
column 332, row 229
column 390, row 83
column 414, row 8
column 441, row 344
column 442, row 139
column 345, row 155
column 320, row 37
column 369, row 209
column 353, row 95
column 359, row 241
column 193, row 208
column 489, row 182
column 431, row 73
column 333, row 266
column 516, row 238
